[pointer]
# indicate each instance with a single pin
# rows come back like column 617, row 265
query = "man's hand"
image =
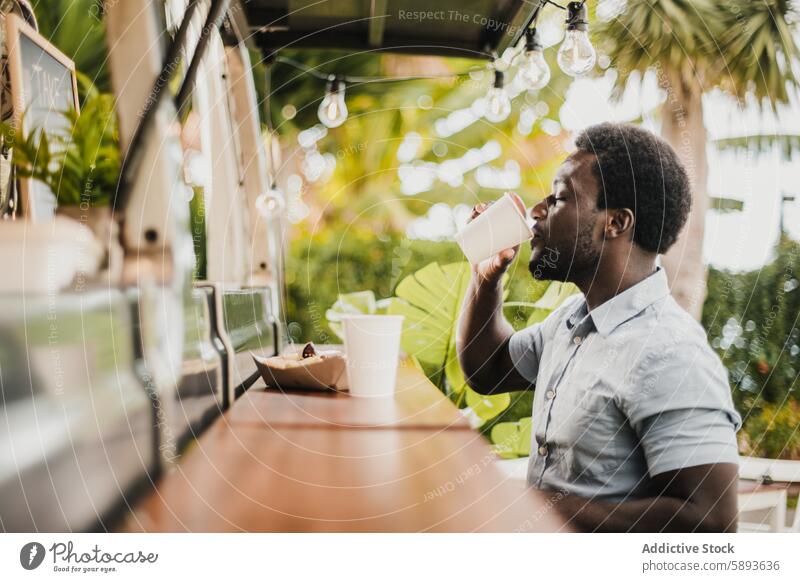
column 492, row 269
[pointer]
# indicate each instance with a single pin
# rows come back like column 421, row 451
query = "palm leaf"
column 670, row 33
column 726, row 205
column 787, row 144
column 430, row 300
column 744, row 47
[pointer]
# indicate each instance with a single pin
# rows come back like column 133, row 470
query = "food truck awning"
column 467, row 28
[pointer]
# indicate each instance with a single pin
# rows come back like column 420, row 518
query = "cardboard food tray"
column 328, row 373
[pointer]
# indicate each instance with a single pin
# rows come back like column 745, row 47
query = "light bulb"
column 333, row 110
column 270, row 204
column 576, row 55
column 533, row 69
column 497, row 104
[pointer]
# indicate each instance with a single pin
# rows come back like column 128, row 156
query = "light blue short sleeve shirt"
column 622, row 393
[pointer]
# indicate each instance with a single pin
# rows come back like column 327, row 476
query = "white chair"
column 765, row 484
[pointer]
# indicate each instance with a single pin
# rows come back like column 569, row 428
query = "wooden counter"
column 417, row 404
column 321, row 463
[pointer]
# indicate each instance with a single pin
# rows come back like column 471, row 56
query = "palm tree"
column 744, row 47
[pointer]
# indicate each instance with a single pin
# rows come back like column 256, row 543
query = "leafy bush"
column 752, row 321
column 773, row 432
column 323, row 266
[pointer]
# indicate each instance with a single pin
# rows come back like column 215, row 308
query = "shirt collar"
column 625, row 305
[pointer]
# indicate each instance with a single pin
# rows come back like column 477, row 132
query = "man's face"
column 568, row 226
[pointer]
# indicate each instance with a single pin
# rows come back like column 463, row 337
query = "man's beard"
column 554, row 263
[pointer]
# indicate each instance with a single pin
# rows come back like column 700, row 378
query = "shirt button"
column 577, row 340
column 549, row 394
column 543, row 450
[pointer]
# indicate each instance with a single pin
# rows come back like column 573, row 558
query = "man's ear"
column 619, row 222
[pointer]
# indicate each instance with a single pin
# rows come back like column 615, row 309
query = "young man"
column 634, row 428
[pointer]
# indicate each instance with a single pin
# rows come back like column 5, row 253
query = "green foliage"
column 786, row 143
column 430, row 301
column 752, row 321
column 513, row 439
column 327, row 264
column 356, row 303
column 773, row 432
column 745, row 47
column 76, row 28
column 82, row 165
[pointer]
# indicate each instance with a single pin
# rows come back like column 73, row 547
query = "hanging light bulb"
column 270, row 204
column 497, row 104
column 533, row 69
column 333, row 110
column 576, row 55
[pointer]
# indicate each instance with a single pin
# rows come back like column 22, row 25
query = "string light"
column 498, row 104
column 333, row 110
column 576, row 56
column 270, row 204
column 533, row 69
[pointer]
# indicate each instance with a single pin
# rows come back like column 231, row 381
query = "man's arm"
column 695, row 499
column 484, row 333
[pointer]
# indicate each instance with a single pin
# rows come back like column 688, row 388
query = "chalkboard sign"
column 43, row 87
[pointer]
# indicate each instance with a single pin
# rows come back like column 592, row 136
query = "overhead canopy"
column 467, row 28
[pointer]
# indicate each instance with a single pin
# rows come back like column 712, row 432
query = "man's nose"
column 539, row 211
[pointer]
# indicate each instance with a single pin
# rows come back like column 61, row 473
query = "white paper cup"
column 501, row 226
column 372, row 343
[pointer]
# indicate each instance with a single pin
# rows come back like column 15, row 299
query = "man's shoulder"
column 663, row 325
column 670, row 343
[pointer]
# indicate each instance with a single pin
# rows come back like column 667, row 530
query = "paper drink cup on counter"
column 372, row 343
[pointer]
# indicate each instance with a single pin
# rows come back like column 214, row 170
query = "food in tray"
column 310, row 350
column 306, row 358
column 309, row 368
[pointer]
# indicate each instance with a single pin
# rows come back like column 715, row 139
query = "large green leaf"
column 430, row 300
column 487, row 407
column 513, row 439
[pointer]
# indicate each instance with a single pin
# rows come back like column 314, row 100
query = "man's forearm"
column 482, row 329
column 654, row 514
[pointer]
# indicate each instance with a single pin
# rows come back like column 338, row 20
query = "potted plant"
column 81, row 167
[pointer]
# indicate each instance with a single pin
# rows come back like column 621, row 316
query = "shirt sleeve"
column 679, row 403
column 526, row 347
